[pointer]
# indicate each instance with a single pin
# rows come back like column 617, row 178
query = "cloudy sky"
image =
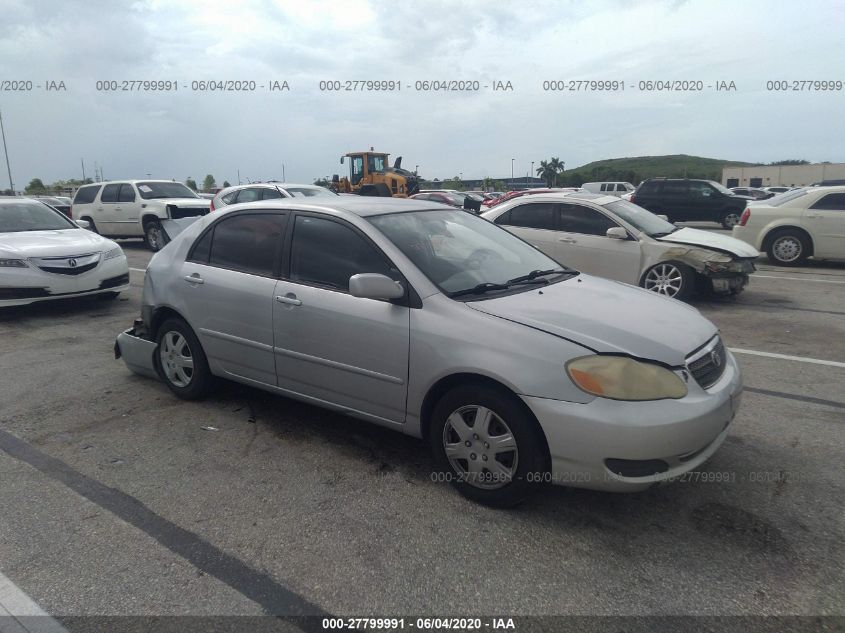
column 192, row 133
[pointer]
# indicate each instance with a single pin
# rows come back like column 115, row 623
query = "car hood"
column 608, row 317
column 53, row 243
column 181, row 202
column 724, row 243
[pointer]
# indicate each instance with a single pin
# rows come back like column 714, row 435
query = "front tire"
column 788, row 248
column 670, row 279
column 487, row 446
column 180, row 360
column 92, row 227
column 154, row 235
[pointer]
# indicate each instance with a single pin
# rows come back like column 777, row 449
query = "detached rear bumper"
column 137, row 352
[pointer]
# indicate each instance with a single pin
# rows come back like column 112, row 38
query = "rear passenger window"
column 127, row 193
column 247, row 243
column 229, row 198
column 832, row 201
column 201, row 248
column 538, row 215
column 674, row 187
column 328, row 253
column 109, row 193
column 249, row 195
column 86, row 195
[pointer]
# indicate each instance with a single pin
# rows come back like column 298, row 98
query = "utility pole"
column 6, row 152
column 82, row 160
column 283, row 173
column 239, row 176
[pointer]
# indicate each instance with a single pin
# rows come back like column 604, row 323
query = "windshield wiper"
column 537, row 273
column 487, row 286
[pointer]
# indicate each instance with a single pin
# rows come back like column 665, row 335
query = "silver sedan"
column 441, row 325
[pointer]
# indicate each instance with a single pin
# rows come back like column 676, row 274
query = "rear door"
column 228, row 282
column 331, row 346
column 586, row 247
column 536, row 223
column 704, row 202
column 825, row 221
column 674, row 201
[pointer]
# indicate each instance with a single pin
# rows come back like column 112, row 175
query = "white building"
column 782, row 175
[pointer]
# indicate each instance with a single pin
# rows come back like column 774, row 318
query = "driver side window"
column 575, row 218
column 357, row 169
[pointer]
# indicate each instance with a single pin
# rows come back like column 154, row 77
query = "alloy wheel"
column 480, row 447
column 177, row 361
column 730, row 220
column 787, row 248
column 664, row 279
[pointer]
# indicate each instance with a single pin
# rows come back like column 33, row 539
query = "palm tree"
column 546, row 172
column 488, row 183
column 558, row 166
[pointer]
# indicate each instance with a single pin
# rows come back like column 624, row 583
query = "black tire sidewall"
column 147, row 226
column 202, row 379
column 724, row 216
column 531, row 465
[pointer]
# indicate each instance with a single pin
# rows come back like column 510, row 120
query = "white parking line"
column 139, row 270
column 800, row 359
column 821, row 281
column 25, row 614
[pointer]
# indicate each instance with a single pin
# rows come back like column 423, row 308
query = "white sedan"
column 796, row 225
column 44, row 255
column 616, row 239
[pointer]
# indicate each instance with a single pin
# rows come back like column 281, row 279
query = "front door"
column 107, row 210
column 127, row 212
column 331, row 346
column 586, row 246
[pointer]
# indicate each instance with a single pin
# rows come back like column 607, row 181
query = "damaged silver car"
column 616, row 239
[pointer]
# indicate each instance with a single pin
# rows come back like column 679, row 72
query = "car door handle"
column 567, row 240
column 289, row 300
column 194, row 279
column 814, row 217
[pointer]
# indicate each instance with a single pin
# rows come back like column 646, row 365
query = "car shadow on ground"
column 91, row 307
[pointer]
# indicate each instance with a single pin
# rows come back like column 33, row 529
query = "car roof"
column 595, row 198
column 363, row 206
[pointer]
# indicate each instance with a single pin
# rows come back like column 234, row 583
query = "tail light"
column 633, row 198
column 211, row 207
column 745, row 215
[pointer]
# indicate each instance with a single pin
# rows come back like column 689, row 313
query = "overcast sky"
column 186, row 133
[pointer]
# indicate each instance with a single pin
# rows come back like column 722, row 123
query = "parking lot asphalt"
column 118, row 499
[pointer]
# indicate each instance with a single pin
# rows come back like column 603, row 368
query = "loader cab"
column 362, row 164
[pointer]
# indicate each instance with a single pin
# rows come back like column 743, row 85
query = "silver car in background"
column 444, row 326
column 255, row 191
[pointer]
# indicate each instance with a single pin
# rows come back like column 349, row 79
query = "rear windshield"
column 309, row 192
column 153, row 190
column 782, row 198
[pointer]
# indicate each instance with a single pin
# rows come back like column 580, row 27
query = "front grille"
column 708, row 364
column 177, row 213
column 67, row 265
column 114, row 282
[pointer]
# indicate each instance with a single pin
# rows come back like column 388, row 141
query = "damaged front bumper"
column 137, row 351
column 729, row 277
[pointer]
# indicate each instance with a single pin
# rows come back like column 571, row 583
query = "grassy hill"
column 637, row 168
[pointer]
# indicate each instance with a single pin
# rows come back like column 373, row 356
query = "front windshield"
column 641, row 219
column 458, row 251
column 17, row 217
column 309, row 192
column 153, row 190
column 722, row 189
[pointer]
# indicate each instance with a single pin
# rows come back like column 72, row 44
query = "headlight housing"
column 13, row 263
column 115, row 252
column 623, row 378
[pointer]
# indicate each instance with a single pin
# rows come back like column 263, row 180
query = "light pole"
column 532, row 169
column 512, row 159
column 416, row 170
column 6, row 152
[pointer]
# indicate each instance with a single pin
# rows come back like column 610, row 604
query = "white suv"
column 135, row 208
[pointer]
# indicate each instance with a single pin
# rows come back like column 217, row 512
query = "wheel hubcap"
column 731, row 220
column 176, row 359
column 787, row 249
column 480, row 447
column 664, row 279
column 155, row 238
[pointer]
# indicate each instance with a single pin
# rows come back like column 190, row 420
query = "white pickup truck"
column 136, row 208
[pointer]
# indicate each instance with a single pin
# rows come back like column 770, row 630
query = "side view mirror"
column 375, row 286
column 665, row 218
column 341, row 159
column 83, row 224
column 617, row 233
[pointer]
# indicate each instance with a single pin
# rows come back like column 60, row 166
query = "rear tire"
column 467, row 424
column 788, row 247
column 154, row 235
column 181, row 361
column 729, row 219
